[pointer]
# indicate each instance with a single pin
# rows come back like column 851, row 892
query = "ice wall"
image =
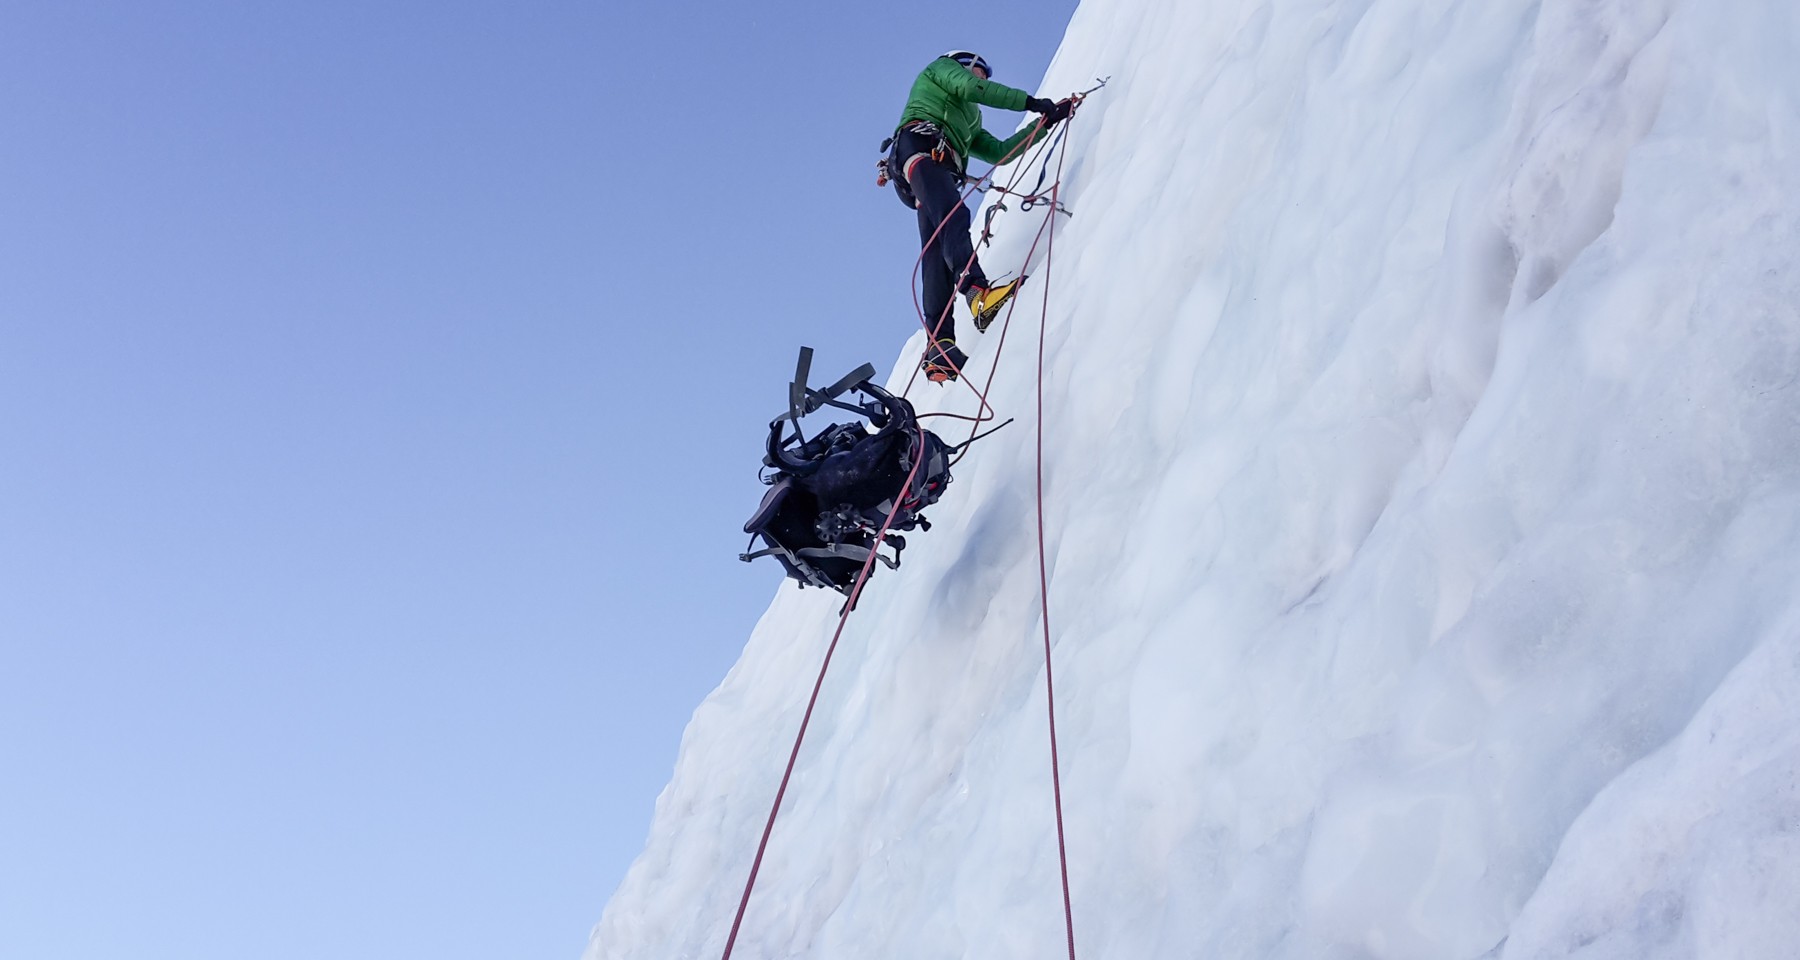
column 1423, row 501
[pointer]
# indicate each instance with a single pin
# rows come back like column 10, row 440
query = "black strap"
column 848, row 380
column 959, row 448
column 803, row 400
column 797, row 388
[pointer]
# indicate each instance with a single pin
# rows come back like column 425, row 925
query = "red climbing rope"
column 856, row 589
column 1062, row 847
column 976, row 421
column 985, row 412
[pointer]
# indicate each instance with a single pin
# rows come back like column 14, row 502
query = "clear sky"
column 381, row 393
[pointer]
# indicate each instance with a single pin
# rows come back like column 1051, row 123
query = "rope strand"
column 1062, row 846
column 862, row 578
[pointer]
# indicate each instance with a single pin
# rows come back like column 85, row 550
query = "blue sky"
column 381, row 393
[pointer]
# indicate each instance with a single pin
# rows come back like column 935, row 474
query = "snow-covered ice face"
column 1418, row 526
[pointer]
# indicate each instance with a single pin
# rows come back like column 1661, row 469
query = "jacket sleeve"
column 988, row 147
column 960, row 82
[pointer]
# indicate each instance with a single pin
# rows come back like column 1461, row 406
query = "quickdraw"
column 1038, row 196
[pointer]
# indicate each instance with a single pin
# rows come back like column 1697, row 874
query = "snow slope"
column 1423, row 509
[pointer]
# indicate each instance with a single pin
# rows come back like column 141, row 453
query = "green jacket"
column 948, row 93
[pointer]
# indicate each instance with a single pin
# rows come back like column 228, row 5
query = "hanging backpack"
column 831, row 496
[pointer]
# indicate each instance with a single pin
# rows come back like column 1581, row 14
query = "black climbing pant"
column 935, row 191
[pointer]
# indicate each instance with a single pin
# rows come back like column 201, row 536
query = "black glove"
column 1054, row 112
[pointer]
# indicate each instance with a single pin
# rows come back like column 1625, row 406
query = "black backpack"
column 829, row 496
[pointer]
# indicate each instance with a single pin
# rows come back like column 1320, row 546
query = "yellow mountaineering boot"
column 985, row 302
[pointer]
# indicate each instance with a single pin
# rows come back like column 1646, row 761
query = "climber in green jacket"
column 939, row 131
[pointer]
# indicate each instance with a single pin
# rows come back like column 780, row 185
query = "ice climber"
column 939, row 130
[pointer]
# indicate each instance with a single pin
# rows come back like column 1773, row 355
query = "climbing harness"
column 897, row 169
